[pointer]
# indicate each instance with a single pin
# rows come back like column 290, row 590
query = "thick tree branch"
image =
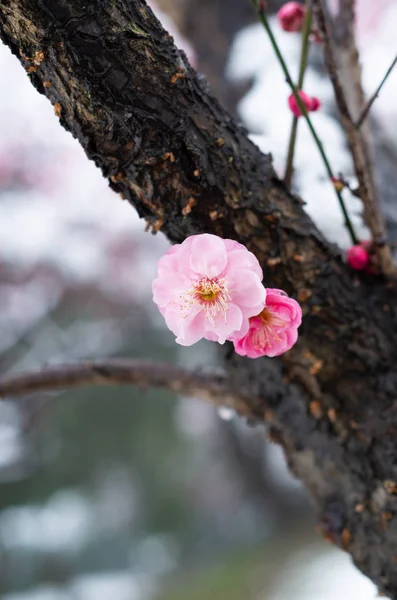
column 357, row 143
column 149, row 122
column 210, row 385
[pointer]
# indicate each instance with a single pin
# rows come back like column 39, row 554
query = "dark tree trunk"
column 120, row 86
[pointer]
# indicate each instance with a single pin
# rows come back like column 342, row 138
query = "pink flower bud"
column 314, row 104
column 311, row 103
column 291, row 16
column 358, row 257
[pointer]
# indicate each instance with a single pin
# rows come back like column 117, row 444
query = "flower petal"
column 225, row 328
column 285, row 341
column 246, row 290
column 239, row 258
column 208, row 255
column 168, row 262
column 169, row 287
column 193, row 331
column 181, row 325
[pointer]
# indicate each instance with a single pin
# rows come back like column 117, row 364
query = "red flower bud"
column 358, row 257
column 311, row 103
column 291, row 16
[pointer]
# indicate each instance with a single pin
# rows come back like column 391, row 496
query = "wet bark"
column 149, row 122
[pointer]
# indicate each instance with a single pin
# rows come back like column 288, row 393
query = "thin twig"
column 262, row 16
column 370, row 102
column 210, row 385
column 307, row 25
column 367, row 189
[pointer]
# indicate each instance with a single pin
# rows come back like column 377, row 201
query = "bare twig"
column 370, row 102
column 259, row 5
column 302, row 68
column 367, row 189
column 210, row 385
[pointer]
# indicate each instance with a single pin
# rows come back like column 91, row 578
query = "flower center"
column 208, row 289
column 211, row 294
column 270, row 319
column 271, row 324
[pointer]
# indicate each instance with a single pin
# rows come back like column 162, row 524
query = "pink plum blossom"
column 291, row 16
column 311, row 103
column 274, row 330
column 208, row 287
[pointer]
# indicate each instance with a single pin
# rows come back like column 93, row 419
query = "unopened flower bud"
column 358, row 257
column 291, row 16
column 311, row 104
column 338, row 183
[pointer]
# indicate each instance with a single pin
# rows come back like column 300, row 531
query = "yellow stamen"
column 211, row 294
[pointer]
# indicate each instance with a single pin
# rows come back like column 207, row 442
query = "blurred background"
column 124, row 494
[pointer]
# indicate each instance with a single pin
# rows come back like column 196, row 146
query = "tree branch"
column 374, row 96
column 360, row 154
column 210, row 385
column 305, row 45
column 150, row 123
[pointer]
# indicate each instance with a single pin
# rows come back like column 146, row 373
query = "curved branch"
column 210, row 385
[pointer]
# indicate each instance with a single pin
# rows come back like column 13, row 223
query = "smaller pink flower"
column 311, row 103
column 274, row 330
column 358, row 257
column 208, row 287
column 291, row 16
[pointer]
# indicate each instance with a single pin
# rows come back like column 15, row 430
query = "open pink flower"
column 311, row 103
column 208, row 287
column 274, row 330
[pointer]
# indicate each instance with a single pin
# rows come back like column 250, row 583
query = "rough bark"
column 211, row 29
column 120, row 86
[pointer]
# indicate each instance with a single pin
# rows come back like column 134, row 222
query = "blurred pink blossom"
column 274, row 330
column 291, row 16
column 358, row 257
column 208, row 287
column 369, row 14
column 311, row 103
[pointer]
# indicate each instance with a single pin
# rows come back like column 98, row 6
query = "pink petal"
column 168, row 262
column 287, row 339
column 246, row 290
column 193, row 331
column 208, row 255
column 224, row 329
column 284, row 307
column 276, row 292
column 240, row 258
column 183, row 257
column 184, row 327
column 169, row 287
column 233, row 245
